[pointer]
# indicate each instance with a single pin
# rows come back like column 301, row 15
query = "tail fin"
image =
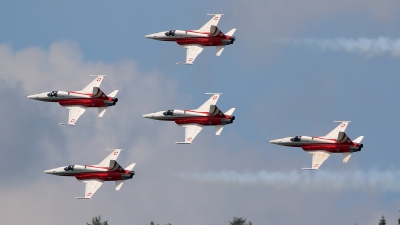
column 358, row 140
column 113, row 94
column 214, row 110
column 230, row 112
column 114, row 166
column 343, row 138
column 214, row 31
column 98, row 93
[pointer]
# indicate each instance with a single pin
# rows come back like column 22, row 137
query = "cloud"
column 362, row 46
column 305, row 180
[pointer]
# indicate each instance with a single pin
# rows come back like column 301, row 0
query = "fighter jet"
column 194, row 120
column 195, row 40
column 321, row 147
column 77, row 101
column 95, row 175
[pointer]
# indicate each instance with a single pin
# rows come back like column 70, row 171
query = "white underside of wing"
column 74, row 113
column 91, row 187
column 318, row 157
column 192, row 51
column 191, row 131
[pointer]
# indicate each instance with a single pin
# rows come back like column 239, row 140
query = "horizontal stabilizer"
column 219, row 49
column 113, row 94
column 346, row 156
column 230, row 112
column 218, row 129
column 102, row 110
column 358, row 140
column 118, row 184
column 130, row 167
column 230, row 33
column 82, row 198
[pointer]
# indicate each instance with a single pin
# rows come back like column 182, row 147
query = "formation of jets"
column 195, row 40
column 208, row 114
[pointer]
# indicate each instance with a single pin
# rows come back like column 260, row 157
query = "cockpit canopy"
column 170, row 33
column 52, row 94
column 69, row 168
column 168, row 112
column 295, row 138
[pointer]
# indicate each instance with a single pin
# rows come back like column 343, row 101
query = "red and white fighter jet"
column 195, row 40
column 78, row 101
column 194, row 120
column 95, row 175
column 321, row 147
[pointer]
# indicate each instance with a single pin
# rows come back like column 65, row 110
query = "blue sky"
column 280, row 75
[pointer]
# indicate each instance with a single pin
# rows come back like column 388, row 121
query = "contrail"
column 364, row 46
column 305, row 180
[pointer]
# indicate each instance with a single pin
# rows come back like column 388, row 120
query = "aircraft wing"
column 191, row 131
column 206, row 107
column 213, row 21
column 318, row 157
column 335, row 132
column 192, row 51
column 75, row 112
column 113, row 156
column 91, row 187
column 95, row 83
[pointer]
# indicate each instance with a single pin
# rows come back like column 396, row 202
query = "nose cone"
column 148, row 36
column 33, row 96
column 48, row 171
column 148, row 116
column 276, row 141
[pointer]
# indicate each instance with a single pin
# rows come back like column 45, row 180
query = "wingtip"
column 183, row 142
column 66, row 124
column 182, row 63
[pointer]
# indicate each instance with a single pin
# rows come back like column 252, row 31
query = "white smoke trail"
column 305, row 180
column 364, row 46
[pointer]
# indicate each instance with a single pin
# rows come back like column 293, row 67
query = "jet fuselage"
column 85, row 172
column 308, row 143
column 68, row 98
column 190, row 116
column 186, row 37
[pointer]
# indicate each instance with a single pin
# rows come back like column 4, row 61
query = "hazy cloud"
column 363, row 46
column 305, row 180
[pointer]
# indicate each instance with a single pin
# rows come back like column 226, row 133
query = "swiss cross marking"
column 89, row 194
column 73, row 120
column 220, row 34
column 191, row 59
column 189, row 139
column 216, row 18
column 343, row 125
column 99, row 79
column 115, row 153
column 215, row 97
